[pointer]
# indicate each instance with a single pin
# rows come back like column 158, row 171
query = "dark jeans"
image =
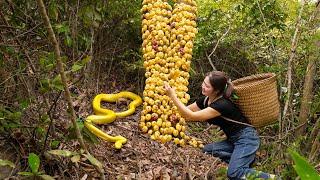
column 239, row 151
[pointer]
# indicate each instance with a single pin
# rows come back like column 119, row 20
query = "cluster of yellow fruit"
column 167, row 51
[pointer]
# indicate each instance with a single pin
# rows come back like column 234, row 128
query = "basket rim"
column 252, row 80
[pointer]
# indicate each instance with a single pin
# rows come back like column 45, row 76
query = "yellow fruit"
column 175, row 132
column 144, row 129
column 168, row 34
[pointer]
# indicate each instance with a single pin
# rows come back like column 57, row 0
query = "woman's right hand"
column 169, row 90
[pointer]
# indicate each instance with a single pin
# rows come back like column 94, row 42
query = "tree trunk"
column 294, row 44
column 315, row 148
column 307, row 96
column 308, row 81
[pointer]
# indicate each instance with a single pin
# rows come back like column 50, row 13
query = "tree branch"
column 215, row 47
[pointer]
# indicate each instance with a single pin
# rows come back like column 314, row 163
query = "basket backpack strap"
column 231, row 120
column 228, row 119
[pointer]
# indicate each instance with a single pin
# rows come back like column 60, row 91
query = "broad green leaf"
column 26, row 173
column 34, row 162
column 64, row 153
column 6, row 163
column 93, row 160
column 75, row 158
column 76, row 67
column 303, row 168
column 46, row 177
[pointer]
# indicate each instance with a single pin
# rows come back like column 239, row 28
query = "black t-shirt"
column 227, row 109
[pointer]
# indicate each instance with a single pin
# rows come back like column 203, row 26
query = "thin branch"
column 53, row 106
column 215, row 47
column 221, row 38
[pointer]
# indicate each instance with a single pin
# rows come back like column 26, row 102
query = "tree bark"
column 307, row 97
column 294, row 44
column 308, row 81
column 315, row 149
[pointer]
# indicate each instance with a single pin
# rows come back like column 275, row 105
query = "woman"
column 242, row 141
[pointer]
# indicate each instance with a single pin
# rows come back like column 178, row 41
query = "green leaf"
column 80, row 123
column 15, row 116
column 68, row 41
column 49, row 67
column 24, row 104
column 64, row 153
column 93, row 160
column 303, row 168
column 46, row 177
column 85, row 60
column 62, row 28
column 89, row 136
column 57, row 83
column 40, row 130
column 53, row 10
column 54, row 144
column 76, row 67
column 34, row 162
column 6, row 163
column 26, row 173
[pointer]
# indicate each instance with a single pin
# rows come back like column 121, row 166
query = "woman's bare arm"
column 194, row 107
column 189, row 115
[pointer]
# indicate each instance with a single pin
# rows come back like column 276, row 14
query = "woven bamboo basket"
column 258, row 98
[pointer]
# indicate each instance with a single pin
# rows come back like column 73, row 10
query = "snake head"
column 119, row 142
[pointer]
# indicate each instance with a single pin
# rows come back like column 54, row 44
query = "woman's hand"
column 169, row 90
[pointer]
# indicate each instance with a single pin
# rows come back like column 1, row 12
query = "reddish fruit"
column 154, row 116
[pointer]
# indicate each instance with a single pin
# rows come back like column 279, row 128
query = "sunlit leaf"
column 34, row 162
column 26, row 173
column 76, row 67
column 93, row 160
column 64, row 153
column 6, row 163
column 303, row 168
column 46, row 177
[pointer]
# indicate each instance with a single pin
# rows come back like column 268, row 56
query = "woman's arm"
column 187, row 113
column 194, row 107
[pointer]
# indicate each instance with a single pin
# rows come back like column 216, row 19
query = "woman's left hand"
column 169, row 90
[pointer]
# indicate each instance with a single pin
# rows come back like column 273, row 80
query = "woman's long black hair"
column 221, row 83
